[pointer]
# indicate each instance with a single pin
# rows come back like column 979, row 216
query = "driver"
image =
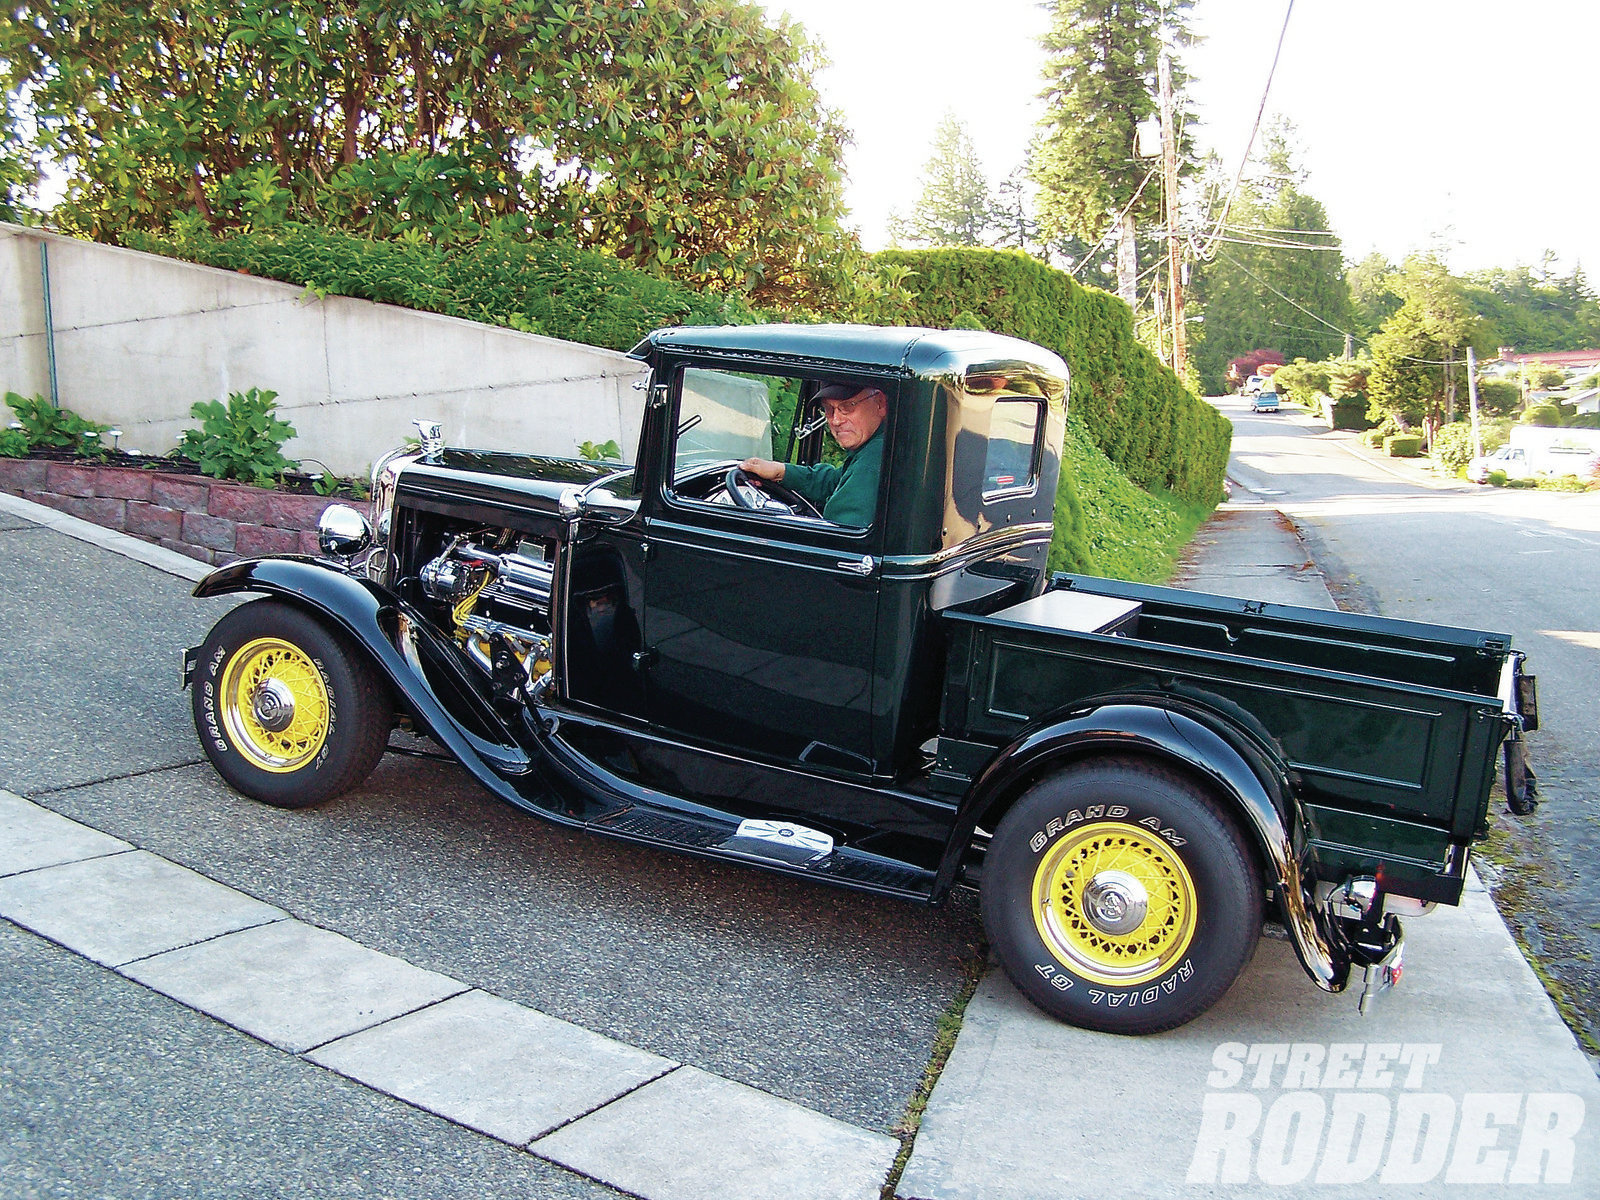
column 847, row 495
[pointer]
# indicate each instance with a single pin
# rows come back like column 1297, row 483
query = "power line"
column 1287, row 299
column 1216, row 238
column 1244, row 162
column 1117, row 220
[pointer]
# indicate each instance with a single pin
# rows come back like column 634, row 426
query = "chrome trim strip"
column 928, row 566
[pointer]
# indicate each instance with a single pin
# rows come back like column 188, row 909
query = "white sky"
column 1468, row 126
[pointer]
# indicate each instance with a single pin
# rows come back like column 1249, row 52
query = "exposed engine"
column 496, row 594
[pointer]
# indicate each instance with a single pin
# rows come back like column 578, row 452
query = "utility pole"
column 1472, row 398
column 1169, row 175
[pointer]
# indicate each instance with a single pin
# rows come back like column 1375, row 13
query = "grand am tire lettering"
column 1119, row 896
column 289, row 712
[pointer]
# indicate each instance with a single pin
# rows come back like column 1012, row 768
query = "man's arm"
column 816, row 483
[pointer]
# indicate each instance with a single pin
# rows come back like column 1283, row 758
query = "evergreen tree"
column 1277, row 278
column 955, row 208
column 1371, row 298
column 1100, row 83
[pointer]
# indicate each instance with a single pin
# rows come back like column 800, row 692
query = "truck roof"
column 908, row 348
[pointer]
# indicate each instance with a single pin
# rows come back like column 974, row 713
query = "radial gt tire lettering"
column 288, row 711
column 1119, row 897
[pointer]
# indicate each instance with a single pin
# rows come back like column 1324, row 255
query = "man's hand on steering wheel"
column 763, row 468
column 742, row 490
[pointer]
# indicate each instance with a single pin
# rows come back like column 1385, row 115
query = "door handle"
column 858, row 566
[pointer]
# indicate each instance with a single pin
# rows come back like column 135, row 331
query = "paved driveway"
column 821, row 998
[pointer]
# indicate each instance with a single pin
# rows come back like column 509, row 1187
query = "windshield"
column 722, row 416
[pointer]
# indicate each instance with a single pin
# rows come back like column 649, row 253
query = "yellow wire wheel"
column 1114, row 903
column 275, row 705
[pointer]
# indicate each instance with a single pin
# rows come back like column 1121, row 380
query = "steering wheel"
column 736, row 481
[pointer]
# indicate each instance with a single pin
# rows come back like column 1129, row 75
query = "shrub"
column 243, row 441
column 1563, row 483
column 1136, row 411
column 1402, row 445
column 1584, row 421
column 539, row 286
column 1497, row 478
column 1452, row 444
column 1499, row 397
column 1546, row 415
column 13, row 443
column 47, row 427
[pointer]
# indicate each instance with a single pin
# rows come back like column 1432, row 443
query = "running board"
column 779, row 845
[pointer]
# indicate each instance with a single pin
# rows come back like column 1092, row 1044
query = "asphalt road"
column 1395, row 541
column 820, row 996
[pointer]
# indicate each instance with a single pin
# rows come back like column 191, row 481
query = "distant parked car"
column 1264, row 402
column 1252, row 386
column 1512, row 460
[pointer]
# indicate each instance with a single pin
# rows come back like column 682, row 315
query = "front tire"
column 1119, row 897
column 287, row 711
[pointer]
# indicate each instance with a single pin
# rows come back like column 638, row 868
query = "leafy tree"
column 1414, row 354
column 955, row 208
column 682, row 135
column 1246, row 365
column 1535, row 310
column 1100, row 83
column 18, row 170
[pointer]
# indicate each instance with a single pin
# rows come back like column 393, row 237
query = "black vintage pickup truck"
column 679, row 654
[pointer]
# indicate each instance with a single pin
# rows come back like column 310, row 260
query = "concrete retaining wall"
column 140, row 338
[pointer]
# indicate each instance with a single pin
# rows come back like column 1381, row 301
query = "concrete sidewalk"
column 1462, row 1081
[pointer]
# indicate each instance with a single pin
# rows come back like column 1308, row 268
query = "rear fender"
column 1191, row 739
column 403, row 645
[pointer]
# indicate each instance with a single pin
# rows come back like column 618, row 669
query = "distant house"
column 1575, row 363
column 1586, row 401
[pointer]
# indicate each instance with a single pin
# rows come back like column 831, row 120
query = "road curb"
column 499, row 1068
column 162, row 559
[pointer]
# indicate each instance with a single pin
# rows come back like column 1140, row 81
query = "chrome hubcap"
column 1115, row 903
column 272, row 705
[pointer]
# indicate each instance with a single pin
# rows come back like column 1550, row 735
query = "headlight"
column 342, row 532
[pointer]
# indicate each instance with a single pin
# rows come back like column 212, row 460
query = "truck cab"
column 670, row 651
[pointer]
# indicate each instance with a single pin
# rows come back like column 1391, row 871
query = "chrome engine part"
column 499, row 611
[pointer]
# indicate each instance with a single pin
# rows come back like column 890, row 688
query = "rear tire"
column 289, row 713
column 1119, row 897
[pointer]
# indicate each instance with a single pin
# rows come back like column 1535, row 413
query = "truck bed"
column 1390, row 728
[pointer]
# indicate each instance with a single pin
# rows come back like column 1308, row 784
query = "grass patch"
column 1515, row 900
column 1128, row 533
column 944, row 1041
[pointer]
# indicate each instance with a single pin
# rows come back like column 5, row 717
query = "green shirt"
column 847, row 495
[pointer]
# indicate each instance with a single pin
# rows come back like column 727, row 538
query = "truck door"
column 759, row 624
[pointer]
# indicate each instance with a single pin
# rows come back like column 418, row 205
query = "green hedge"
column 1126, row 407
column 535, row 286
column 1156, row 431
column 1402, row 445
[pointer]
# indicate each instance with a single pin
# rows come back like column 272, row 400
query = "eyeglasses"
column 843, row 408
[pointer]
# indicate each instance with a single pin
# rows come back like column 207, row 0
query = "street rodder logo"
column 1359, row 1112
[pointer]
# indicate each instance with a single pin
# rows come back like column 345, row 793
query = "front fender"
column 417, row 661
column 1249, row 783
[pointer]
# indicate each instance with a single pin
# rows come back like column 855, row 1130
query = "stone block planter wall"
column 207, row 519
